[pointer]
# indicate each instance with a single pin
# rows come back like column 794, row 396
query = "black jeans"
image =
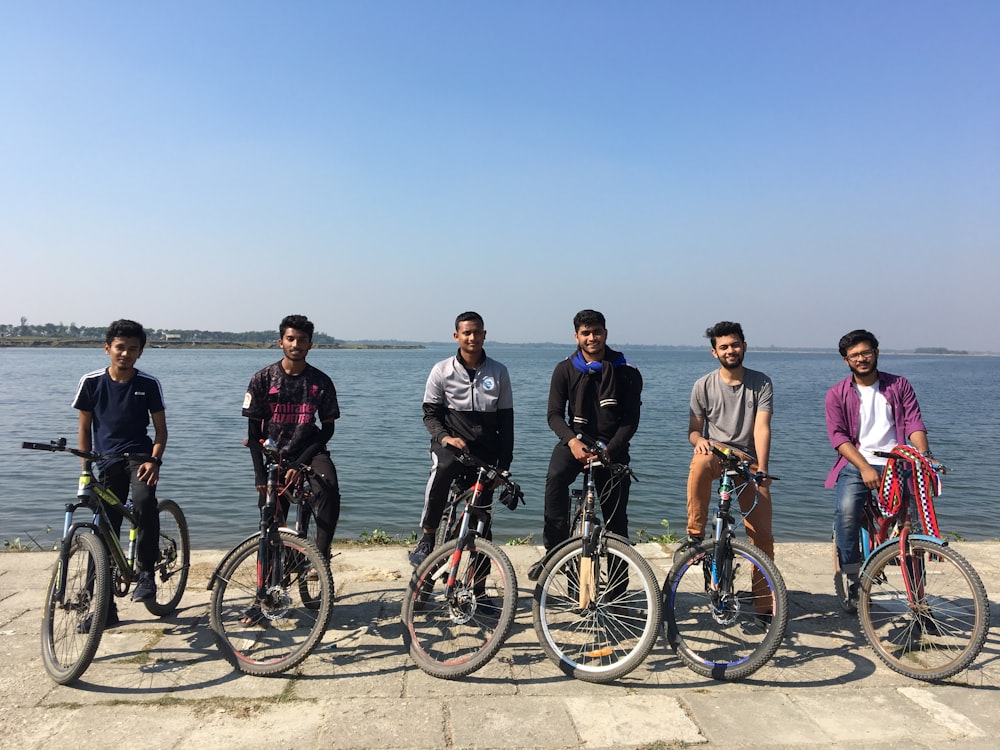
column 122, row 479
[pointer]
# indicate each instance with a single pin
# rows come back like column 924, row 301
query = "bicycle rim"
column 453, row 637
column 725, row 635
column 938, row 631
column 72, row 627
column 173, row 559
column 613, row 634
column 275, row 632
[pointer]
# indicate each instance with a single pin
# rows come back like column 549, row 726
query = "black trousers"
column 563, row 471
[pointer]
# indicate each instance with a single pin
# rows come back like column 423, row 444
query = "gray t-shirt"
column 729, row 411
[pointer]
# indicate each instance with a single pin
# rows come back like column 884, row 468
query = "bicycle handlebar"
column 512, row 494
column 740, row 461
column 269, row 449
column 600, row 449
column 59, row 446
column 938, row 467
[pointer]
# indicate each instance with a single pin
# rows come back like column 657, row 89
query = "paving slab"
column 359, row 689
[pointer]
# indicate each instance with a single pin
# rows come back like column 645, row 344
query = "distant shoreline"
column 61, row 343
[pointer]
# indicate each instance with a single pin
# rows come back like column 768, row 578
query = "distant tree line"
column 86, row 333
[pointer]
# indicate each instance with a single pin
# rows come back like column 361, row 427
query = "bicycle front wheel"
column 452, row 636
column 173, row 559
column 268, row 629
column 926, row 617
column 730, row 630
column 612, row 633
column 72, row 624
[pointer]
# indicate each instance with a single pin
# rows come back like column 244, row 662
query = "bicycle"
column 724, row 600
column 455, row 629
column 596, row 607
column 272, row 594
column 92, row 565
column 921, row 604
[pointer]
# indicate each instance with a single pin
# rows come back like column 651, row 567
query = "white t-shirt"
column 876, row 426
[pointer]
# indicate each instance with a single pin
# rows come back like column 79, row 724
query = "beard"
column 865, row 369
column 734, row 365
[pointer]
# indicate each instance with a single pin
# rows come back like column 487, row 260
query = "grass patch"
column 519, row 541
column 666, row 537
column 383, row 538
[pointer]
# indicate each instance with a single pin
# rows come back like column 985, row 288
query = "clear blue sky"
column 805, row 168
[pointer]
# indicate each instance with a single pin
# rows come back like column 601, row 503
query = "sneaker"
column 420, row 552
column 109, row 622
column 691, row 541
column 145, row 589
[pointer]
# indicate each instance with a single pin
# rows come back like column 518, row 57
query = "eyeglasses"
column 858, row 356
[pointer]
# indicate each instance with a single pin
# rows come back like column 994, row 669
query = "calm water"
column 380, row 446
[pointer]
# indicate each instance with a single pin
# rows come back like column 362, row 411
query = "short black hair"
column 855, row 337
column 125, row 329
column 724, row 328
column 467, row 316
column 298, row 322
column 588, row 318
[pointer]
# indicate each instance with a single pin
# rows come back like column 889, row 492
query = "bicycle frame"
column 95, row 496
column 467, row 534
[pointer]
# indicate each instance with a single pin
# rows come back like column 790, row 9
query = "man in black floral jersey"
column 283, row 402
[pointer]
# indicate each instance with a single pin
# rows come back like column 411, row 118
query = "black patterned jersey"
column 289, row 405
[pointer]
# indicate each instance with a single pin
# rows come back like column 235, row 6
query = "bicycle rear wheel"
column 940, row 629
column 447, row 530
column 173, row 560
column 612, row 635
column 453, row 637
column 731, row 633
column 273, row 633
column 73, row 624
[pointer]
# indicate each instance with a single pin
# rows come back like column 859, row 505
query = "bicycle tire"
column 614, row 634
column 311, row 591
column 447, row 530
column 72, row 628
column 841, row 583
column 944, row 633
column 450, row 638
column 733, row 640
column 284, row 630
column 173, row 560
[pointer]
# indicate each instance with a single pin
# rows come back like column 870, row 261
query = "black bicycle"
column 596, row 606
column 92, row 565
column 724, row 601
column 272, row 594
column 460, row 602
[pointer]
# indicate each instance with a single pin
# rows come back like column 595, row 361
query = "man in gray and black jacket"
column 468, row 407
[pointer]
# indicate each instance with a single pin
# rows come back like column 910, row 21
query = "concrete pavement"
column 165, row 681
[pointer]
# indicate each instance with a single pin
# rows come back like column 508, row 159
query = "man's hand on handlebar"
column 455, row 442
column 580, row 450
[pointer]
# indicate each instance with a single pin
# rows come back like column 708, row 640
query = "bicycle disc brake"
column 276, row 603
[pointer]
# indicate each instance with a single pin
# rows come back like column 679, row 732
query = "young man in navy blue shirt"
column 116, row 405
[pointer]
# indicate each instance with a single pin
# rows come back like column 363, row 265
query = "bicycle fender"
column 215, row 574
column 895, row 543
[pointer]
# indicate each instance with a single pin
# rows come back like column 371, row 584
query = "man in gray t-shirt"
column 731, row 405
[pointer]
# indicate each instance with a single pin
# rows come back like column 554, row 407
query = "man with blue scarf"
column 595, row 392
